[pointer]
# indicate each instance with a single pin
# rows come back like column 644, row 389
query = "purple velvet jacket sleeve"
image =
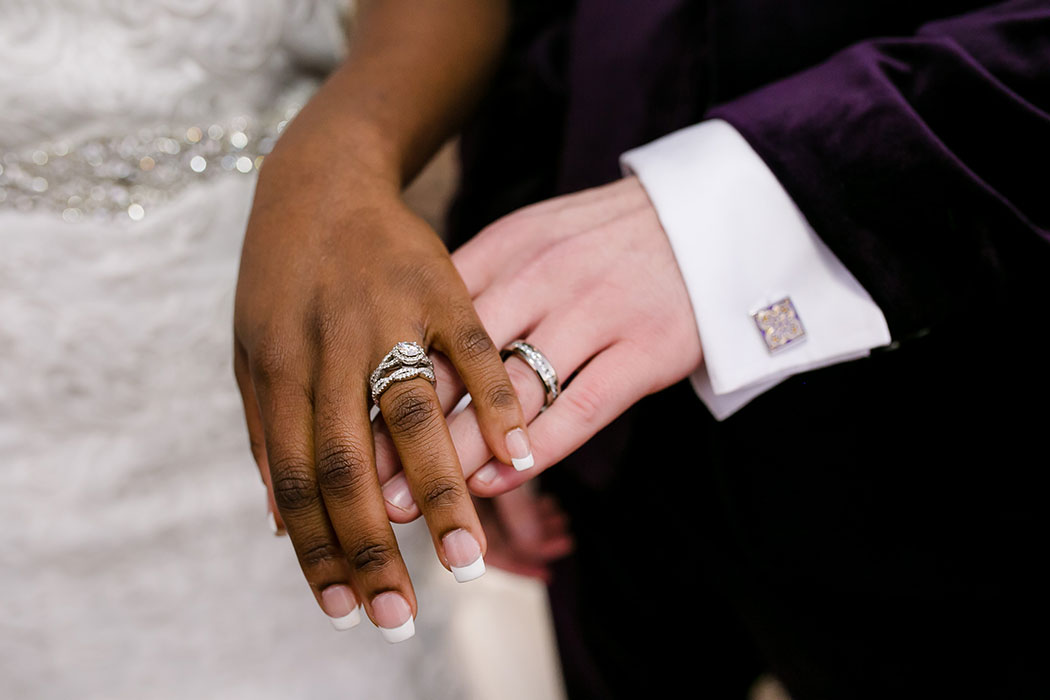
column 923, row 162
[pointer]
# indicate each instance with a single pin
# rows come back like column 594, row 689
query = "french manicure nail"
column 341, row 606
column 393, row 617
column 520, row 452
column 464, row 555
column 397, row 494
column 487, row 474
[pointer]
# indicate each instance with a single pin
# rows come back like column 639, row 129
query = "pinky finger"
column 256, row 436
column 604, row 388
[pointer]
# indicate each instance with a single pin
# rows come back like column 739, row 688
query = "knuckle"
column 294, row 487
column 441, row 492
column 521, row 375
column 525, row 383
column 545, row 267
column 372, row 556
column 341, row 467
column 500, row 396
column 586, row 403
column 473, row 343
column 270, row 359
column 417, row 273
column 409, row 410
column 321, row 553
column 325, row 326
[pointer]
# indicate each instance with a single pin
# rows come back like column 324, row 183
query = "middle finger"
column 346, row 478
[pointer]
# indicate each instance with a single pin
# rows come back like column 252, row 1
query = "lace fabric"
column 84, row 69
column 143, row 99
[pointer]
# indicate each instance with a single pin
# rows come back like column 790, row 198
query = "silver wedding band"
column 407, row 360
column 539, row 364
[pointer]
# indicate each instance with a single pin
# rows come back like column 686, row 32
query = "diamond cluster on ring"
column 407, row 360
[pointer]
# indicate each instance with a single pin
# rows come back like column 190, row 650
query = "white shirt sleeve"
column 741, row 245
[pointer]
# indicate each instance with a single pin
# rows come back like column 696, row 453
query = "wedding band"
column 540, row 365
column 408, row 360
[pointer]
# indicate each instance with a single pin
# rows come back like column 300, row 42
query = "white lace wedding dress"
column 136, row 561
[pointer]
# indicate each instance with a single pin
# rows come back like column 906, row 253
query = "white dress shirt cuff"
column 741, row 244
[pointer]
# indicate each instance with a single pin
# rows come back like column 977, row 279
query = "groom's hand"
column 590, row 279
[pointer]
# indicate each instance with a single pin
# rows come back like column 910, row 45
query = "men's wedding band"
column 407, row 360
column 540, row 365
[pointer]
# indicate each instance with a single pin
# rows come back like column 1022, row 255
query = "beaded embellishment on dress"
column 128, row 175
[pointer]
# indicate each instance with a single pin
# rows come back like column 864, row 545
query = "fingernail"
column 520, row 452
column 340, row 605
column 397, row 494
column 487, row 474
column 464, row 555
column 393, row 617
column 272, row 522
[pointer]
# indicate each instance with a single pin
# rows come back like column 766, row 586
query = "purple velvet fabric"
column 922, row 161
column 885, row 546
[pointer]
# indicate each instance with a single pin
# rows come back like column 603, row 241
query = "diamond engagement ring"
column 540, row 364
column 408, row 360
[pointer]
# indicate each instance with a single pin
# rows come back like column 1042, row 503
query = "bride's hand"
column 590, row 279
column 331, row 277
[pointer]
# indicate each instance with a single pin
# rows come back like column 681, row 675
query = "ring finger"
column 567, row 342
column 416, row 422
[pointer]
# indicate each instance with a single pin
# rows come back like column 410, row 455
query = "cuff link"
column 779, row 325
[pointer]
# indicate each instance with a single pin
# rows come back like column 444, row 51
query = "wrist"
column 335, row 153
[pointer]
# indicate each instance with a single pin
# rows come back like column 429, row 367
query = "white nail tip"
column 348, row 621
column 470, row 571
column 523, row 463
column 271, row 521
column 400, row 633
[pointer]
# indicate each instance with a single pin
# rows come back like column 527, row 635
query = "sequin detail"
column 130, row 175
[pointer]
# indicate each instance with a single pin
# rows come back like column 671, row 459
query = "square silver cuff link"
column 779, row 324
